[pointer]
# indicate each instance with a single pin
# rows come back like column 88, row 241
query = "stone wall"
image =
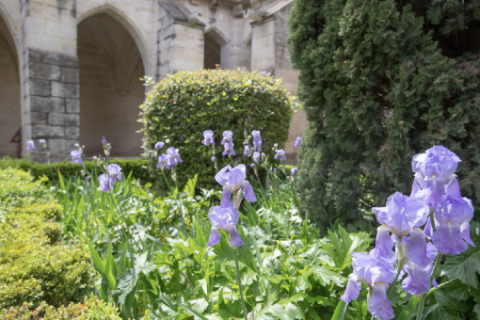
column 54, row 101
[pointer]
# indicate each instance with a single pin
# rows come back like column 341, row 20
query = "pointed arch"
column 128, row 24
column 10, row 110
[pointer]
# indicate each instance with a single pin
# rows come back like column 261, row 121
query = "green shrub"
column 91, row 309
column 185, row 104
column 138, row 167
column 35, row 265
column 377, row 90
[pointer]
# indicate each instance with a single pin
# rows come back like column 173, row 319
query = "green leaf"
column 192, row 312
column 110, row 266
column 409, row 309
column 199, row 233
column 340, row 310
column 466, row 265
column 99, row 263
column 326, row 276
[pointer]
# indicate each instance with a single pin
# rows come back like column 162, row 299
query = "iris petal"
column 353, row 289
column 379, row 305
column 214, row 237
column 448, row 239
column 235, row 240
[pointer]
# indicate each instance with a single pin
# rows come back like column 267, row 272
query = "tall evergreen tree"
column 382, row 81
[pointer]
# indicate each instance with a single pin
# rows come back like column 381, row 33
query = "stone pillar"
column 50, row 81
column 270, row 56
column 180, row 44
column 236, row 53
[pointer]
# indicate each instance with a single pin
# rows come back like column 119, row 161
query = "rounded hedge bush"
column 183, row 105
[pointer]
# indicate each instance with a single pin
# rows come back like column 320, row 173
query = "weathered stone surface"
column 38, row 117
column 63, row 119
column 72, row 133
column 41, row 104
column 40, row 87
column 70, row 75
column 46, row 131
column 65, row 90
column 44, row 71
column 50, row 57
column 61, row 147
column 72, row 105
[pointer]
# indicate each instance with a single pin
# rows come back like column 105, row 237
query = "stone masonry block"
column 40, row 87
column 65, row 90
column 70, row 74
column 72, row 133
column 38, row 117
column 50, row 57
column 41, row 104
column 61, row 147
column 44, row 71
column 45, row 131
column 63, row 119
column 73, row 105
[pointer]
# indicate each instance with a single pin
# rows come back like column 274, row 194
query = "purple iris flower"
column 76, row 157
column 280, row 154
column 42, row 141
column 232, row 179
column 452, row 222
column 297, row 142
column 253, row 165
column 227, row 143
column 402, row 216
column 163, row 162
column 256, row 156
column 434, row 176
column 104, row 140
column 208, row 137
column 173, row 157
column 377, row 273
column 257, row 140
column 213, row 159
column 105, row 183
column 246, row 150
column 114, row 172
column 30, row 145
column 418, row 280
column 294, row 171
column 159, row 145
column 225, row 218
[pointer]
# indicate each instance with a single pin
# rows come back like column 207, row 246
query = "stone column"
column 270, row 56
column 50, row 81
column 180, row 44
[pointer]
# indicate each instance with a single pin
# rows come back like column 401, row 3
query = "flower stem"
column 432, row 221
column 420, row 309
column 240, row 284
column 390, row 289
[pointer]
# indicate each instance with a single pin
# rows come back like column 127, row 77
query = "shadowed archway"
column 110, row 66
column 10, row 111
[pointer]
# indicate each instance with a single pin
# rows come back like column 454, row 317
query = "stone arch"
column 128, row 24
column 110, row 65
column 213, row 43
column 10, row 110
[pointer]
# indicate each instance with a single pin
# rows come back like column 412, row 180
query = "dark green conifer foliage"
column 382, row 81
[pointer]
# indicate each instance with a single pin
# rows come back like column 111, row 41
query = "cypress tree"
column 382, row 81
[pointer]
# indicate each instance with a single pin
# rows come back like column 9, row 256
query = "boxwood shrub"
column 35, row 265
column 138, row 167
column 181, row 106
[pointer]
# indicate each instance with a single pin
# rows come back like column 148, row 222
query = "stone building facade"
column 70, row 69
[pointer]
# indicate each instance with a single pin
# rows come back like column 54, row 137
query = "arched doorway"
column 212, row 56
column 110, row 90
column 10, row 117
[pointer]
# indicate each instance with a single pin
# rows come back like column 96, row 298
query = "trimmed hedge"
column 91, row 309
column 381, row 81
column 138, row 167
column 35, row 265
column 183, row 105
